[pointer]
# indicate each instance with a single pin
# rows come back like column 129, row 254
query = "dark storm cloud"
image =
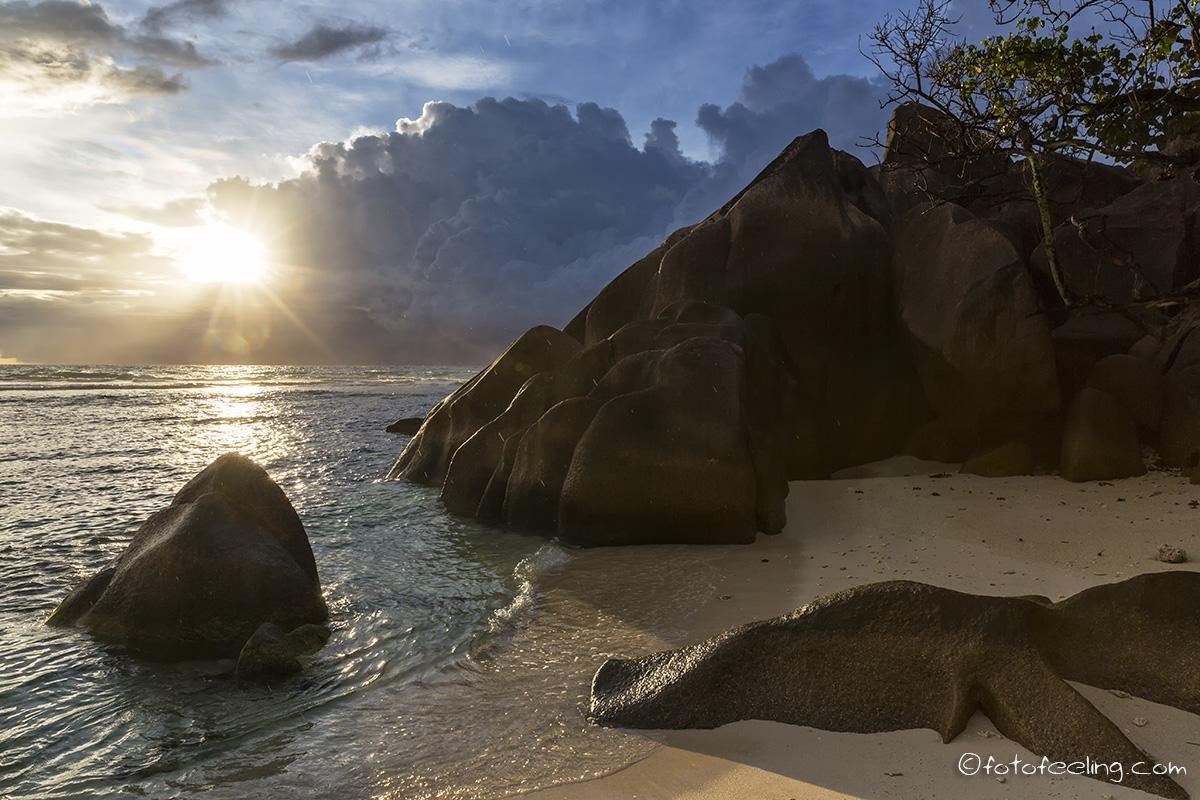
column 463, row 227
column 322, row 41
column 56, row 43
column 468, row 223
column 777, row 102
column 160, row 17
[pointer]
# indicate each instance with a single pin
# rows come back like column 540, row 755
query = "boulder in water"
column 200, row 576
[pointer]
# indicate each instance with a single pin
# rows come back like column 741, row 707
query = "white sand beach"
column 921, row 521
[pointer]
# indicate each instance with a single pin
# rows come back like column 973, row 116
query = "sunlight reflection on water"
column 459, row 653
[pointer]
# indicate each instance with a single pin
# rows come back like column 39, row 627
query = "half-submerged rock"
column 900, row 655
column 406, row 426
column 202, row 575
column 272, row 651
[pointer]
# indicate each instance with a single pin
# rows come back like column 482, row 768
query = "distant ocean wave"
column 29, row 378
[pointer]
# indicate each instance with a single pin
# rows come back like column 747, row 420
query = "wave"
column 42, row 379
column 550, row 556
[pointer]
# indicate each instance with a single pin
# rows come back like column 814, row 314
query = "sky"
column 415, row 181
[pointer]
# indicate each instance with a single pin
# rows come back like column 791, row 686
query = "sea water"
column 460, row 655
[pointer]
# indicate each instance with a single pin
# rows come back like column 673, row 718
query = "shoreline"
column 923, row 521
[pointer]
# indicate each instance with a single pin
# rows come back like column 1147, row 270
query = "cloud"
column 46, row 256
column 440, row 240
column 59, row 54
column 777, row 102
column 87, row 26
column 72, row 294
column 323, row 41
column 466, row 223
column 160, row 17
column 179, row 213
column 454, row 73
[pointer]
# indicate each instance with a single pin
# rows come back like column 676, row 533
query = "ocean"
column 460, row 657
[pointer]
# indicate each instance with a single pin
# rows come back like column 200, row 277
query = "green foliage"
column 1042, row 86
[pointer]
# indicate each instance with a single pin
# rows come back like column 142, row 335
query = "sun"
column 220, row 253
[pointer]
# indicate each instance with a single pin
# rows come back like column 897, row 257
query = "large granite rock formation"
column 1100, row 441
column 805, row 244
column 454, row 420
column 969, row 311
column 898, row 655
column 826, row 316
column 1143, row 244
column 201, row 576
column 665, row 431
column 756, row 346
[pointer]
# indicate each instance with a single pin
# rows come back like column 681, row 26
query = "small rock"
column 1001, row 779
column 1171, row 555
column 308, row 639
column 267, row 652
column 1141, row 722
column 1119, row 693
column 271, row 651
column 407, row 426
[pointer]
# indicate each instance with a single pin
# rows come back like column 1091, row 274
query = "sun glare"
column 220, row 253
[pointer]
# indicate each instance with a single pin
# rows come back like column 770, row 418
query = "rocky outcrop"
column 1073, row 188
column 1136, row 384
column 200, row 576
column 666, row 431
column 1179, row 433
column 827, row 315
column 1003, row 460
column 1100, row 441
column 1089, row 335
column 479, row 401
column 1179, row 358
column 668, row 458
column 930, row 158
column 925, row 163
column 756, row 346
column 795, row 247
column 970, row 314
column 899, row 655
column 1144, row 244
